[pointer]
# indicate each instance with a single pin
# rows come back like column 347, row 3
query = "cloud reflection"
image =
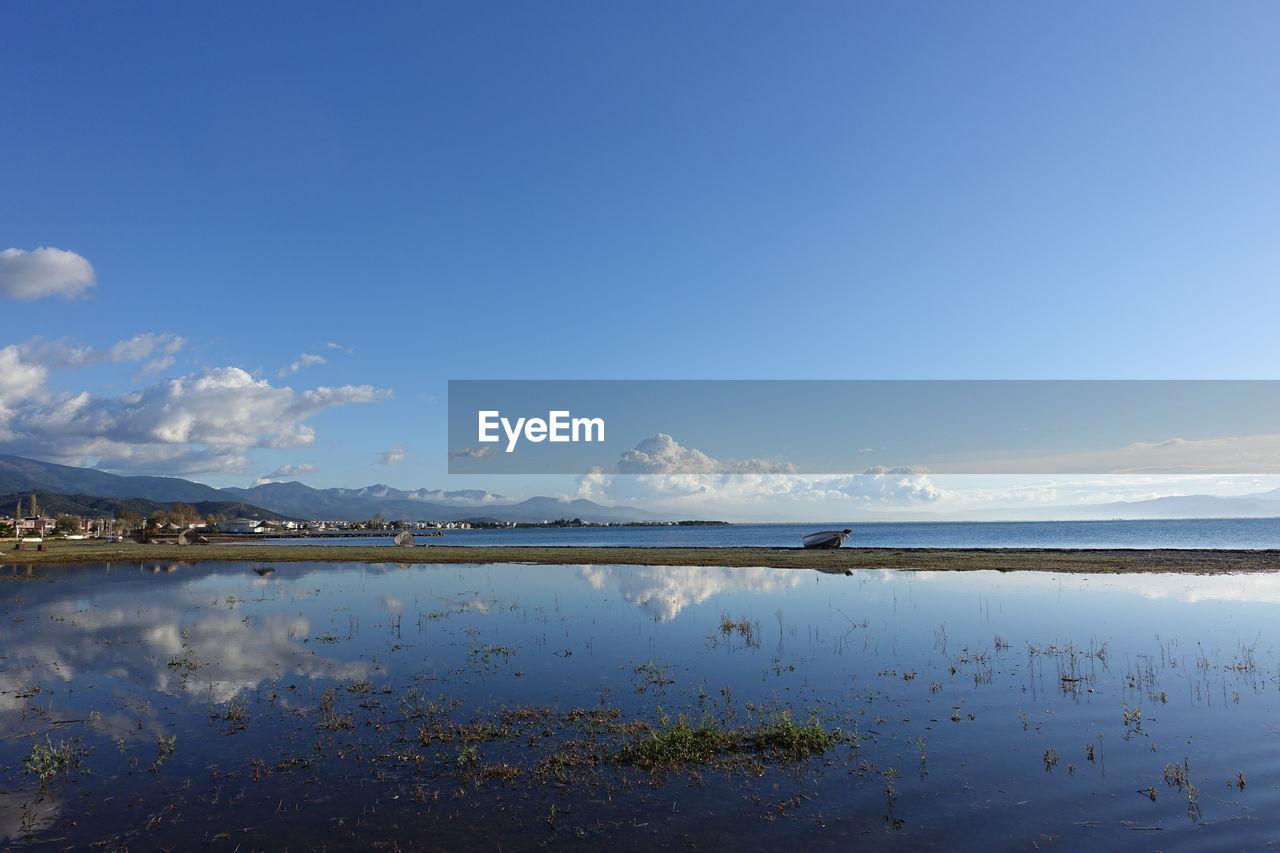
column 666, row 590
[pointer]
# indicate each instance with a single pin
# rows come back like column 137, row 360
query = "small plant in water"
column 1132, row 720
column 653, row 674
column 744, row 627
column 165, row 749
column 49, row 760
column 329, row 718
column 235, row 711
column 891, row 777
column 1050, row 758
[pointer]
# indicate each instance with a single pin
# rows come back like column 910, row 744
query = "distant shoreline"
column 1100, row 560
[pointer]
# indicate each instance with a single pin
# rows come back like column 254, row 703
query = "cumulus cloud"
column 306, row 359
column 291, row 471
column 42, row 272
column 657, row 473
column 471, row 452
column 662, row 454
column 199, row 423
column 393, row 456
column 21, row 383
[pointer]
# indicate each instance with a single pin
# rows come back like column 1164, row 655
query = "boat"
column 826, row 538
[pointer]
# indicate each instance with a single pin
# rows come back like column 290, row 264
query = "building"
column 244, row 525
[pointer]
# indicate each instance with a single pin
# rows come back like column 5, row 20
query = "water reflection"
column 24, row 814
column 170, row 640
column 664, row 591
column 1009, row 705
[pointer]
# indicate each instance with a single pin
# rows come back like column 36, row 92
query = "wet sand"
column 1110, row 560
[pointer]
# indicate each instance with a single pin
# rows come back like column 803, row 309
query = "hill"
column 92, row 506
column 19, row 475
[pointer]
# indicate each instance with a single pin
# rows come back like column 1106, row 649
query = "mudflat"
column 1109, row 560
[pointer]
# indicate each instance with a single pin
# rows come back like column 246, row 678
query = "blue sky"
column 422, row 192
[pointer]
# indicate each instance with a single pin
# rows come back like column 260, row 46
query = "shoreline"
column 1095, row 560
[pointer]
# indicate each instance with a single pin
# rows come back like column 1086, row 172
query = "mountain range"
column 53, row 504
column 297, row 500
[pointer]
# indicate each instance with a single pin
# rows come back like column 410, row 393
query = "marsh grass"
column 653, row 674
column 743, row 627
column 166, row 748
column 329, row 716
column 49, row 760
column 709, row 742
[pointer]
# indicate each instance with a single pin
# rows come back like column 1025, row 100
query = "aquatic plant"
column 166, row 747
column 680, row 743
column 49, row 760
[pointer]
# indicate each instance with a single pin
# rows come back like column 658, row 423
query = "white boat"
column 826, row 538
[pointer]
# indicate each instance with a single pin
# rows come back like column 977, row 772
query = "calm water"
column 1166, row 533
column 323, row 705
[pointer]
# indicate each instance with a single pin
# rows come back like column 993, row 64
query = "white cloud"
column 200, row 423
column 143, row 346
column 393, row 456
column 66, row 352
column 306, row 359
column 155, row 366
column 471, row 452
column 646, row 478
column 42, row 272
column 291, row 471
column 662, row 454
column 21, row 383
column 463, row 497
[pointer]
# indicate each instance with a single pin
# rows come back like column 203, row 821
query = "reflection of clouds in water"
column 666, row 590
column 1260, row 587
column 25, row 812
column 473, row 605
column 137, row 645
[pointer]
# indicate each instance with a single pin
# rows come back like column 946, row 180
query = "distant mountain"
column 1260, row 505
column 297, row 500
column 92, row 506
column 1263, row 505
column 352, row 504
column 18, row 474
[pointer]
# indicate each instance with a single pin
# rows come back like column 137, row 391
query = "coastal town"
column 31, row 521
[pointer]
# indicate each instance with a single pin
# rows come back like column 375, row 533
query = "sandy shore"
column 933, row 559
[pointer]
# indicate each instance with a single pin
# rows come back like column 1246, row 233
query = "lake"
column 320, row 706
